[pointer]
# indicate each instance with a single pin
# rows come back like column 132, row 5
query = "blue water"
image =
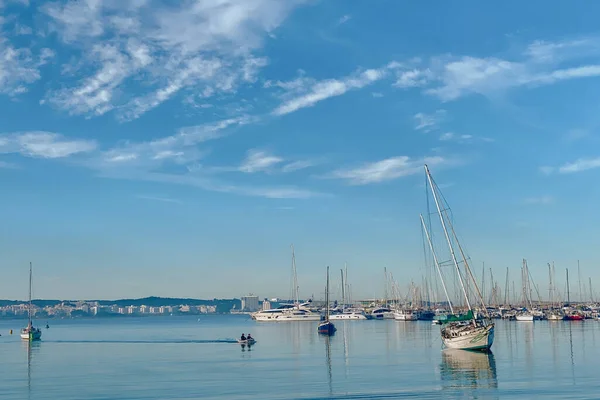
column 187, row 358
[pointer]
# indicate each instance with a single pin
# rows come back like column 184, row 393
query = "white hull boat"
column 382, row 313
column 286, row 315
column 249, row 342
column 405, row 316
column 525, row 317
column 348, row 316
column 467, row 337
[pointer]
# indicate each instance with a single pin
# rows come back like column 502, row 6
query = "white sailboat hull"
column 480, row 338
column 555, row 317
column 35, row 334
column 348, row 316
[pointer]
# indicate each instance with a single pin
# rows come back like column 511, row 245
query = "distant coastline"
column 120, row 308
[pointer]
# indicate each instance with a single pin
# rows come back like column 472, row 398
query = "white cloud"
column 344, row 19
column 582, row 164
column 377, row 94
column 40, row 144
column 413, row 78
column 160, row 199
column 539, row 200
column 305, row 92
column 7, row 165
column 259, row 161
column 447, row 136
column 491, row 75
column 135, row 54
column 385, row 170
column 298, row 165
column 19, row 67
column 428, row 122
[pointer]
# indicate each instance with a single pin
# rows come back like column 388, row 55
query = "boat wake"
column 183, row 341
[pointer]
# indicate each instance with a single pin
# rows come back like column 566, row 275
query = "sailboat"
column 30, row 332
column 289, row 312
column 466, row 331
column 327, row 327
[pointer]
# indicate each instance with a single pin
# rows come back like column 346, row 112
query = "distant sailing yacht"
column 467, row 331
column 326, row 327
column 30, row 332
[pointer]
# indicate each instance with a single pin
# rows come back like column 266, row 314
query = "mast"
column 385, row 287
column 568, row 289
column 550, row 292
column 294, row 279
column 591, row 293
column 437, row 205
column 579, row 279
column 30, row 283
column 343, row 301
column 327, row 297
column 483, row 279
column 437, row 264
column 506, row 289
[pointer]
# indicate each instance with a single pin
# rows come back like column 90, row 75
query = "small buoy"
column 11, row 331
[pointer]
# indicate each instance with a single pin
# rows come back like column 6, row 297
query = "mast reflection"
column 31, row 348
column 328, row 362
column 473, row 373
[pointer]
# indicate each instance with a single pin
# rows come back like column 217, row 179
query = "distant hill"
column 223, row 305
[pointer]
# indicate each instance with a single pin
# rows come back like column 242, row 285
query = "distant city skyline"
column 152, row 149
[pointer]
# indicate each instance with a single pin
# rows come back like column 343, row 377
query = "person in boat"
column 249, row 338
column 243, row 337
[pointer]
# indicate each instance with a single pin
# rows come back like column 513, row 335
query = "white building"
column 250, row 303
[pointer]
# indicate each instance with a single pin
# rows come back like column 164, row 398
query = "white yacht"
column 382, row 313
column 405, row 315
column 286, row 312
column 349, row 313
column 289, row 312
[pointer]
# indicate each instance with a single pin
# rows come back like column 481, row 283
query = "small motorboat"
column 249, row 342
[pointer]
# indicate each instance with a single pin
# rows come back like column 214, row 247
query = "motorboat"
column 248, row 342
column 405, row 315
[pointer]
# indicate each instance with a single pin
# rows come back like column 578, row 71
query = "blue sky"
column 152, row 149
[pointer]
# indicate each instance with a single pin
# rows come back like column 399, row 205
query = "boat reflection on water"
column 473, row 373
column 31, row 348
column 328, row 340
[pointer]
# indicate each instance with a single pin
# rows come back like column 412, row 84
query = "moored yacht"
column 405, row 315
column 382, row 313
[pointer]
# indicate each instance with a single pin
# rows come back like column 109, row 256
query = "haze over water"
column 191, row 358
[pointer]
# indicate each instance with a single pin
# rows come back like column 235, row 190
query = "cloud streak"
column 40, row 144
column 385, row 170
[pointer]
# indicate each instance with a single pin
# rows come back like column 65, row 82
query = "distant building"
column 250, row 303
column 266, row 304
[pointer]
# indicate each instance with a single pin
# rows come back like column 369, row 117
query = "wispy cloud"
column 579, row 165
column 305, row 92
column 42, row 144
column 385, row 170
column 463, row 139
column 159, row 199
column 344, row 19
column 259, row 161
column 377, row 94
column 539, row 200
column 582, row 164
column 298, row 165
column 7, row 165
column 429, row 122
column 19, row 67
column 134, row 55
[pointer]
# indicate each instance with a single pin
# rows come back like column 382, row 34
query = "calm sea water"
column 191, row 358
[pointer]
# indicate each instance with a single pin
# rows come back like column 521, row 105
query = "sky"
column 148, row 148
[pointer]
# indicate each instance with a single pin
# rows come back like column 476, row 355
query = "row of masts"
column 529, row 295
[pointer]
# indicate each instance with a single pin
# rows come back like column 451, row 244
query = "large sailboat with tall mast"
column 466, row 331
column 30, row 332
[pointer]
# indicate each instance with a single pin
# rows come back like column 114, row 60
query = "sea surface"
column 198, row 358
